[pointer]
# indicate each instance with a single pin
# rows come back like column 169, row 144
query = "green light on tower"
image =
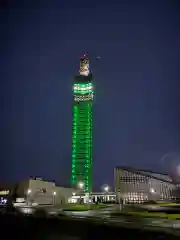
column 82, row 127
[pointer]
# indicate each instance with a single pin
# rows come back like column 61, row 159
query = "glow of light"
column 4, row 192
column 54, row 193
column 26, row 210
column 83, row 89
column 152, row 190
column 81, row 185
column 106, row 189
column 29, row 191
column 86, row 98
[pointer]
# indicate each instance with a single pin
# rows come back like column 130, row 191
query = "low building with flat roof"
column 39, row 192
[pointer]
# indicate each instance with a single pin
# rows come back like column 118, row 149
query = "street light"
column 80, row 185
column 152, row 190
column 153, row 195
column 54, row 197
column 28, row 198
column 29, row 191
column 105, row 190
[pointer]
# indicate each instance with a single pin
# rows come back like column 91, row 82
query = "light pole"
column 120, row 200
column 81, row 187
column 29, row 191
column 153, row 194
column 54, row 197
column 106, row 190
column 72, row 198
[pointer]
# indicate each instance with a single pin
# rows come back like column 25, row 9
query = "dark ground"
column 41, row 227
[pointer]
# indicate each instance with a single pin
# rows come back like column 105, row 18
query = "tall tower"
column 82, row 127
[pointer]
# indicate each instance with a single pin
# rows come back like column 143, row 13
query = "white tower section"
column 84, row 66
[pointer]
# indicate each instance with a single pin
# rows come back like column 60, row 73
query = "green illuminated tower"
column 82, row 128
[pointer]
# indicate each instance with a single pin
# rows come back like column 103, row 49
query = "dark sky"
column 137, row 84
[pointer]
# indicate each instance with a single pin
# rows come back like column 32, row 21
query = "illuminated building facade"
column 136, row 185
column 82, row 128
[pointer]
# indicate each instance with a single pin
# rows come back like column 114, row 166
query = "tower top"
column 84, row 65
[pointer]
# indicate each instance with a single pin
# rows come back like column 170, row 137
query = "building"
column 4, row 193
column 135, row 185
column 93, row 197
column 82, row 127
column 38, row 192
column 103, row 197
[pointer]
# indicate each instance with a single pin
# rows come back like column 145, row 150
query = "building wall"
column 43, row 192
column 136, row 187
column 21, row 188
column 64, row 193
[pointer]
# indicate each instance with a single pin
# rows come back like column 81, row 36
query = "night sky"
column 137, row 84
